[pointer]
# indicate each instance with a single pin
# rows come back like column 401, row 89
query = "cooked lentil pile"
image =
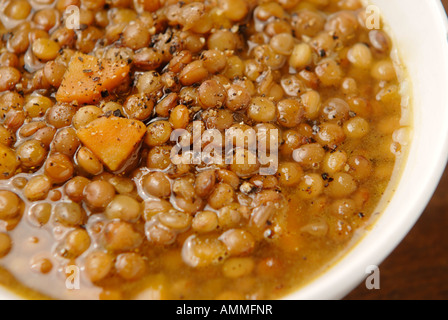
column 86, row 120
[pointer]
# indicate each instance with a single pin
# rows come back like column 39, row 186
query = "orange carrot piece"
column 113, row 139
column 88, row 78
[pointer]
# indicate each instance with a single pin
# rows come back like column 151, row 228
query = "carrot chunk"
column 113, row 139
column 88, row 78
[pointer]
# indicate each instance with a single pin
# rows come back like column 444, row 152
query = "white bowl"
column 419, row 30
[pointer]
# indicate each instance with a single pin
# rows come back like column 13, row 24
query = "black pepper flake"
column 96, row 79
column 104, row 93
column 81, row 59
column 170, row 37
column 117, row 113
column 243, row 28
column 6, row 36
column 322, row 53
column 361, row 215
column 325, row 176
column 87, row 71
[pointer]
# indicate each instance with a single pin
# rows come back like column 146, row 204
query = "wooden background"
column 418, row 268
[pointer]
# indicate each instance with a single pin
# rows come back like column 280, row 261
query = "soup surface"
column 160, row 149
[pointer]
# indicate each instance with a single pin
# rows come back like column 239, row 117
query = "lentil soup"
column 96, row 94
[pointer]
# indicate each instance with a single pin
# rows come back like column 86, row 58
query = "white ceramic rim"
column 350, row 270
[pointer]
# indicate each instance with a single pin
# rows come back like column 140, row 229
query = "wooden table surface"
column 418, row 268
